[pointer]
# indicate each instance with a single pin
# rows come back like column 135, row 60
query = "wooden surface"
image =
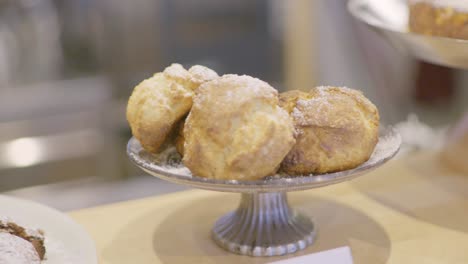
column 412, row 210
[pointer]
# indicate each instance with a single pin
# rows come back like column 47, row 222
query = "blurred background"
column 67, row 68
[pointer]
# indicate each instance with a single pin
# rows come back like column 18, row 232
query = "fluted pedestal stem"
column 264, row 225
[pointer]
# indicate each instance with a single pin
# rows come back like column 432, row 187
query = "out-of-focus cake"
column 19, row 244
column 444, row 18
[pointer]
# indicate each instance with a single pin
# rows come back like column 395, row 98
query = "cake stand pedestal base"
column 264, row 225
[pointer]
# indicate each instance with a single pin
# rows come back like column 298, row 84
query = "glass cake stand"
column 390, row 19
column 264, row 224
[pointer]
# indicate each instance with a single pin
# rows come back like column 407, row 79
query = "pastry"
column 236, row 130
column 16, row 250
column 20, row 242
column 445, row 18
column 158, row 103
column 200, row 74
column 337, row 129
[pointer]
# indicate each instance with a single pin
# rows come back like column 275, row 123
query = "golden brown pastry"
column 445, row 18
column 337, row 129
column 158, row 103
column 200, row 74
column 236, row 130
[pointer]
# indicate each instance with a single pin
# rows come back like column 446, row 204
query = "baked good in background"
column 158, row 103
column 19, row 244
column 445, row 18
column 337, row 129
column 236, row 130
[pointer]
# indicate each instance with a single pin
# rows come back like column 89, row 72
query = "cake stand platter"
column 264, row 224
column 390, row 18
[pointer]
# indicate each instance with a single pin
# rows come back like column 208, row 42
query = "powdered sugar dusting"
column 201, row 74
column 298, row 116
column 15, row 250
column 5, row 220
column 30, row 231
column 355, row 94
column 250, row 84
column 323, row 90
column 308, row 111
column 177, row 71
column 387, row 145
column 232, row 88
column 179, row 170
column 171, row 162
column 34, row 233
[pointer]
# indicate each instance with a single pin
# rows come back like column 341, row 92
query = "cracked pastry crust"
column 157, row 104
column 439, row 18
column 236, row 130
column 337, row 129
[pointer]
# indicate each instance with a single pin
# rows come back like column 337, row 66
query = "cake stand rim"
column 286, row 184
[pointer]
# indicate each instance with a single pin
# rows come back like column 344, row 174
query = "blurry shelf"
column 90, row 192
column 51, row 98
column 30, row 151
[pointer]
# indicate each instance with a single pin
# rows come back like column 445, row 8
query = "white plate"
column 66, row 242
